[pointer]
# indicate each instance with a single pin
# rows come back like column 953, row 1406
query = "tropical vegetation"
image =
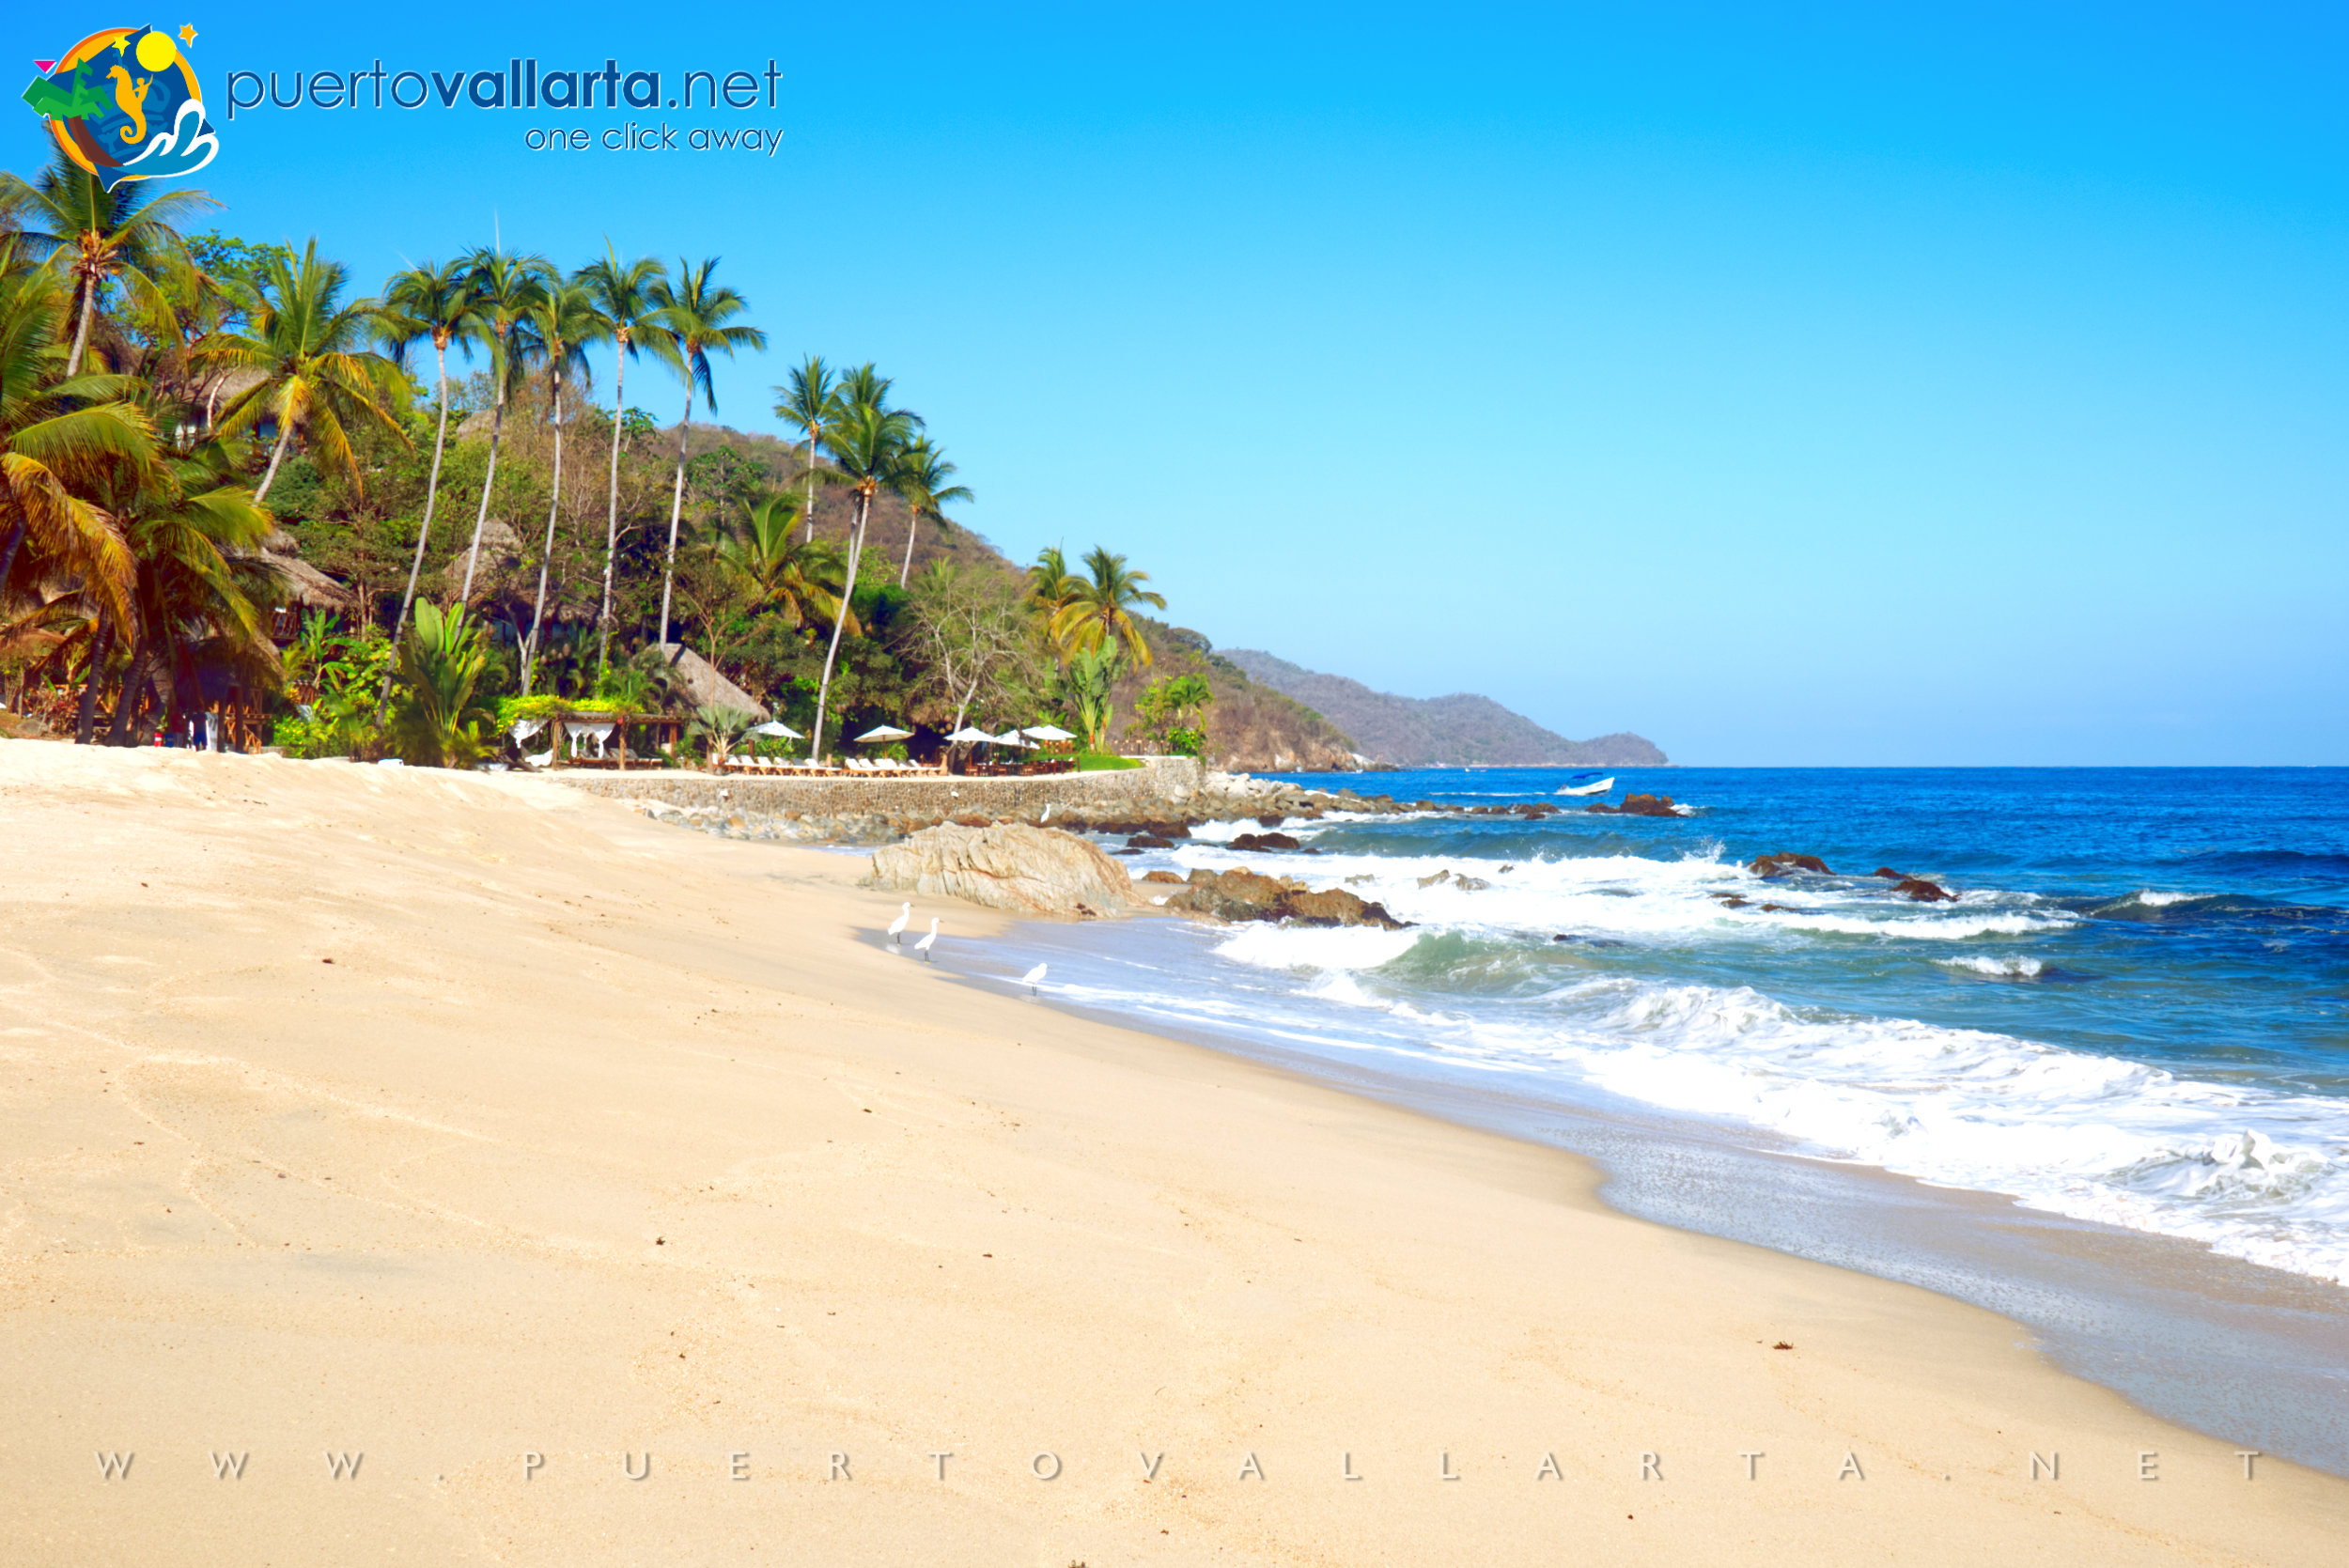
column 223, row 469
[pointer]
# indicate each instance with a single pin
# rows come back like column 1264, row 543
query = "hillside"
column 1250, row 726
column 1414, row 732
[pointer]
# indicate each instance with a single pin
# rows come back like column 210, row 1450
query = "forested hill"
column 1417, row 732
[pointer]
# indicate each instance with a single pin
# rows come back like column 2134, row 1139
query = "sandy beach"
column 408, row 1166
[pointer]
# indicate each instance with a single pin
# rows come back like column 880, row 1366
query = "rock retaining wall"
column 1159, row 780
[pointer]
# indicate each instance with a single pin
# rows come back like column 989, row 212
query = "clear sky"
column 1791, row 384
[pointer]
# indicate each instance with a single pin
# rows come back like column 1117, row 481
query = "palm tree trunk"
column 276, row 455
column 811, row 485
column 133, row 687
column 8, row 557
column 676, row 506
column 823, row 692
column 530, row 648
column 914, row 520
column 102, row 642
column 611, row 508
column 81, row 333
column 497, row 429
column 431, row 496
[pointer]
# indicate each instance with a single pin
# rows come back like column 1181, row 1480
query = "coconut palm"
column 566, row 321
column 1049, row 586
column 695, row 314
column 865, row 386
column 506, row 289
column 623, row 293
column 201, row 581
column 811, row 402
column 798, row 579
column 431, row 300
column 59, row 437
column 306, row 342
column 96, row 236
column 1095, row 610
column 867, row 445
column 922, row 481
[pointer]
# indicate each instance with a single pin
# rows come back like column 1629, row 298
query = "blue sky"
column 1808, row 385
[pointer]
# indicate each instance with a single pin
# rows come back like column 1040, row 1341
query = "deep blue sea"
column 2124, row 1040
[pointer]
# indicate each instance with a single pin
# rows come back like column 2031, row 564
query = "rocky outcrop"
column 1035, row 871
column 1785, row 862
column 1637, row 805
column 1242, row 894
column 1245, row 843
column 1916, row 887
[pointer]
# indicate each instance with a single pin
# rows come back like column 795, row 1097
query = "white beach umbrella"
column 1009, row 738
column 1046, row 732
column 969, row 736
column 777, row 728
column 885, row 732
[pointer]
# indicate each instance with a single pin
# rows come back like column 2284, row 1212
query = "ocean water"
column 2132, row 1019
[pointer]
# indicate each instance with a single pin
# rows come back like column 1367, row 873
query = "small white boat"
column 1599, row 788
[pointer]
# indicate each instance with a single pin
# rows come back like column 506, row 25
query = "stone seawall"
column 1159, row 780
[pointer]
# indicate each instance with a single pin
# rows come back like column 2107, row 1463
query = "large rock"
column 1243, row 895
column 1637, row 805
column 1785, row 862
column 1008, row 865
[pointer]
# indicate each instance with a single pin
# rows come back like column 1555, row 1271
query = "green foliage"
column 225, row 255
column 1102, row 762
column 1166, row 709
column 1086, row 682
column 437, row 722
column 345, row 675
column 718, row 728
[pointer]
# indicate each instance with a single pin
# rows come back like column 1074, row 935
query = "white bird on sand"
column 1034, row 978
column 923, row 947
column 897, row 927
column 1048, row 815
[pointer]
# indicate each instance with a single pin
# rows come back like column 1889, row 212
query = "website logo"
column 124, row 104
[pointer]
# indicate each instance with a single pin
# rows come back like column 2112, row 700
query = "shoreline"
column 2145, row 1315
column 577, row 1088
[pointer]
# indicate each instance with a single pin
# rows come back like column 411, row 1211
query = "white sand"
column 599, row 1137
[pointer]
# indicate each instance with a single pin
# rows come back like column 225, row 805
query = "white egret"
column 1034, row 978
column 923, row 947
column 897, row 927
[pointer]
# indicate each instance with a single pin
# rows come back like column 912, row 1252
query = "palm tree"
column 564, row 322
column 811, row 402
column 1095, row 610
column 201, row 581
column 506, row 289
column 1049, row 586
column 868, row 445
column 428, row 301
column 694, row 313
column 924, row 484
column 62, row 440
column 303, row 341
column 623, row 293
column 60, row 435
column 95, row 235
column 798, row 578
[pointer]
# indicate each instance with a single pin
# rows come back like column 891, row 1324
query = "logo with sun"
column 123, row 103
